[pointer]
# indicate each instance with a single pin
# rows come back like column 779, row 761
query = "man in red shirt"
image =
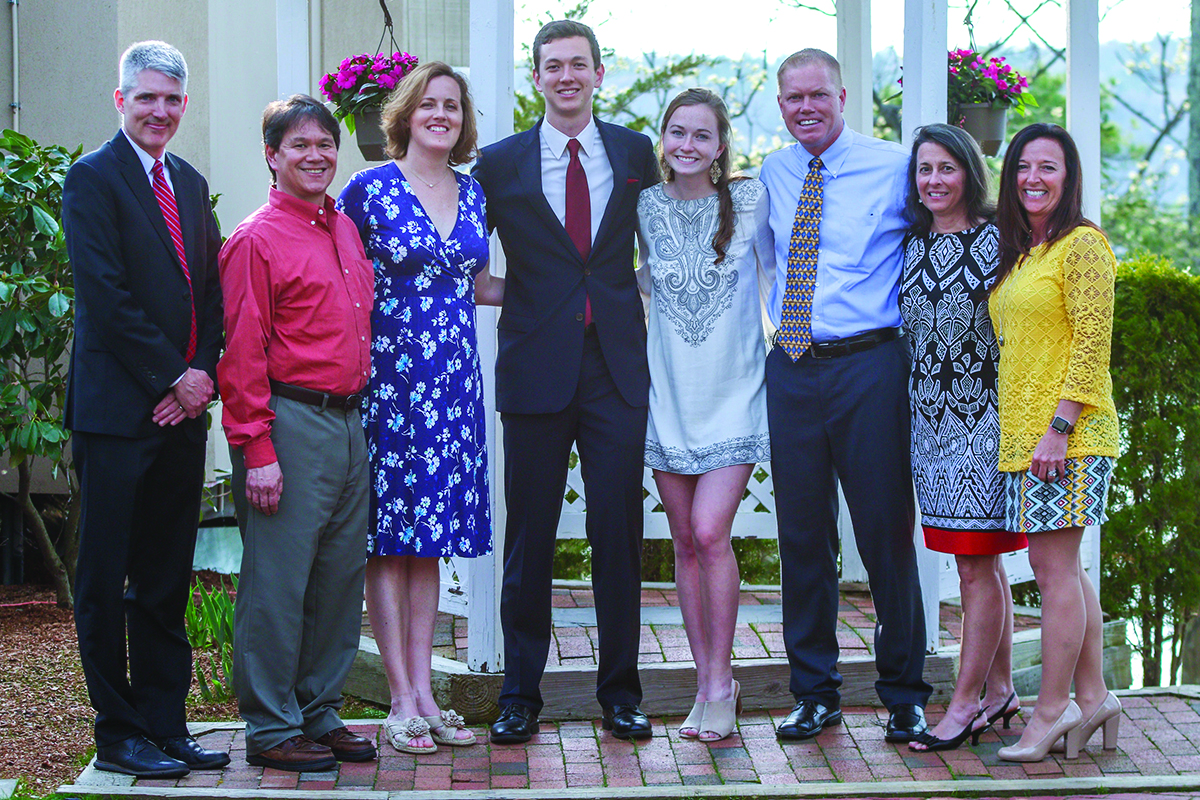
column 299, row 290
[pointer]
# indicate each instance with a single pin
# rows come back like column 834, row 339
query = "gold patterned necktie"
column 795, row 325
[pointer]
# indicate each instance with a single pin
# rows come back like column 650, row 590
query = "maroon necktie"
column 579, row 213
column 166, row 201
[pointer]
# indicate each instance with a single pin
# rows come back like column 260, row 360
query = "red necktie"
column 166, row 201
column 579, row 213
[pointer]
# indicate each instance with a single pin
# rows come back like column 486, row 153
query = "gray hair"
column 155, row 55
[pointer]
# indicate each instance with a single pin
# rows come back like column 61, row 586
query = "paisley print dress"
column 706, row 347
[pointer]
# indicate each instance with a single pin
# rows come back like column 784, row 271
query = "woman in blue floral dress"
column 423, row 225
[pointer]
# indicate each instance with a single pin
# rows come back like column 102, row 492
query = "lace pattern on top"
column 1053, row 316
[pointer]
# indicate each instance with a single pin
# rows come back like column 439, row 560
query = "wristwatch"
column 1060, row 425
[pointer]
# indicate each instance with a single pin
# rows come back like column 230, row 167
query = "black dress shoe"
column 515, row 724
column 137, row 756
column 906, row 723
column 626, row 722
column 807, row 719
column 189, row 751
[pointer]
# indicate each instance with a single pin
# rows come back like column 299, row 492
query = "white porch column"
column 924, row 59
column 291, row 46
column 491, row 54
column 1083, row 121
column 854, row 53
column 1083, row 97
column 924, row 102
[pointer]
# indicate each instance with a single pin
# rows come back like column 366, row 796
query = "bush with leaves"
column 1151, row 544
column 36, row 301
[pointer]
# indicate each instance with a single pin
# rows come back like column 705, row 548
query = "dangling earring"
column 714, row 172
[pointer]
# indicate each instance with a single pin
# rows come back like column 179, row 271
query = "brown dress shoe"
column 297, row 754
column 347, row 746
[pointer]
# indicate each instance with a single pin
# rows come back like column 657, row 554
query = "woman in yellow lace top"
column 1052, row 309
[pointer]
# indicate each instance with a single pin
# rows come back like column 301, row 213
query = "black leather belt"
column 322, row 400
column 851, row 344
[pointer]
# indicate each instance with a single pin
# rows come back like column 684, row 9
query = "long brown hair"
column 1016, row 234
column 703, row 97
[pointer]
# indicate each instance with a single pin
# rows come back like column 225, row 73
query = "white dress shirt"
column 596, row 166
column 148, row 162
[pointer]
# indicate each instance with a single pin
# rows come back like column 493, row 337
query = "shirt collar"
column 556, row 140
column 146, row 159
column 834, row 156
column 319, row 215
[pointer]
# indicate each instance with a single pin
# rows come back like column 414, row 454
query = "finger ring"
column 181, row 408
column 1052, row 474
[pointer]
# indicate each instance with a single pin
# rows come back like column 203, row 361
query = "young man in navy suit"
column 143, row 246
column 570, row 370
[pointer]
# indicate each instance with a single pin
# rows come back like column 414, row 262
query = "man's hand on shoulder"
column 194, row 391
column 264, row 486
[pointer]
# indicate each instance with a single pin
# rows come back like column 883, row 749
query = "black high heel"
column 1005, row 713
column 933, row 744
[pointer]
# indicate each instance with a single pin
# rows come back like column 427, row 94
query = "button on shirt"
column 862, row 228
column 595, row 163
column 298, row 296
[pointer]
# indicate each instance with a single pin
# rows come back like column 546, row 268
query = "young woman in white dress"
column 704, row 243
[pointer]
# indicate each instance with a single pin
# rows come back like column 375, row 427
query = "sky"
column 635, row 26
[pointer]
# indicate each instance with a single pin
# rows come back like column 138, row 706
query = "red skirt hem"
column 973, row 543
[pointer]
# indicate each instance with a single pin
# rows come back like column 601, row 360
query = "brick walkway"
column 1159, row 755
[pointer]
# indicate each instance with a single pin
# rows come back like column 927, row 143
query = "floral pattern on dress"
column 424, row 418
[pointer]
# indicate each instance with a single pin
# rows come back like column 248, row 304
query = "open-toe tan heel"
column 695, row 719
column 720, row 716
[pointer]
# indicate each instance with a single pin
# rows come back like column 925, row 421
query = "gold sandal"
column 449, row 720
column 401, row 734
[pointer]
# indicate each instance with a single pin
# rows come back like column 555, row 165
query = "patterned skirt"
column 1075, row 500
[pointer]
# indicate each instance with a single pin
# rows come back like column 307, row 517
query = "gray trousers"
column 300, row 593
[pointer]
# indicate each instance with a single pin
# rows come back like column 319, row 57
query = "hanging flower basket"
column 980, row 91
column 369, row 135
column 985, row 122
column 358, row 89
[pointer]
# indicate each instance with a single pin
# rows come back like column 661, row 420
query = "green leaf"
column 45, row 223
column 59, row 304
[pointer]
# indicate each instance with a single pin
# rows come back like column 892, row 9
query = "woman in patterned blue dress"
column 951, row 256
column 423, row 225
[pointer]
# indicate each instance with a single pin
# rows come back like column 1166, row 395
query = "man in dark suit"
column 570, row 369
column 143, row 246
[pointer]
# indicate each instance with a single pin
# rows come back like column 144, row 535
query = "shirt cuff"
column 259, row 453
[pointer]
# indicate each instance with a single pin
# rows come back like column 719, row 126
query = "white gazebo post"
column 492, row 87
column 1083, row 121
column 924, row 102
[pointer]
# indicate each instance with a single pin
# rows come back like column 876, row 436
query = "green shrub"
column 1151, row 545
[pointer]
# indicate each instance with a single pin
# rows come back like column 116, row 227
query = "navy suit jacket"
column 132, row 304
column 540, row 339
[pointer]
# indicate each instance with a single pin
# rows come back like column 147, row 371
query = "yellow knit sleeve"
column 1089, row 273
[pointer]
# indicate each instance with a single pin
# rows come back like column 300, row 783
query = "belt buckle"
column 354, row 402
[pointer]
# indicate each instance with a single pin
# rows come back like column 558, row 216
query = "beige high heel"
column 720, row 716
column 1067, row 725
column 1107, row 714
column 695, row 719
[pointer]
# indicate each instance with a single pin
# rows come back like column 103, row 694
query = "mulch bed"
column 45, row 717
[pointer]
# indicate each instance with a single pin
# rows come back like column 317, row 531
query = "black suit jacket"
column 540, row 341
column 132, row 304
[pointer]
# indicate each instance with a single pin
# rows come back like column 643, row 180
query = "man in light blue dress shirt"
column 840, row 409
